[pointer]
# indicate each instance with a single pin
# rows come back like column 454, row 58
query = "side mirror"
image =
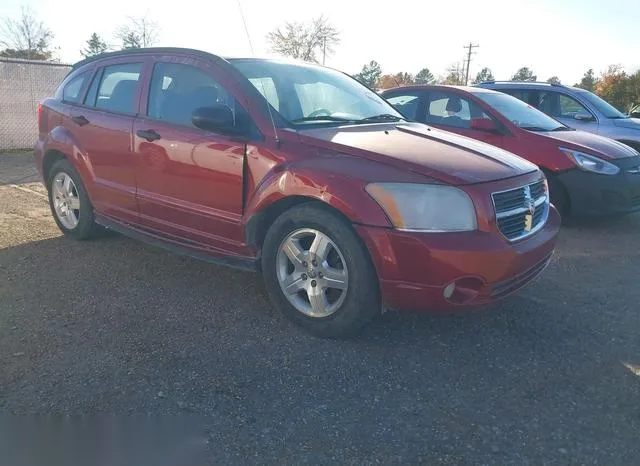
column 583, row 116
column 483, row 124
column 217, row 118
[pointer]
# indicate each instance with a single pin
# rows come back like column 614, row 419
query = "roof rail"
column 522, row 82
column 125, row 52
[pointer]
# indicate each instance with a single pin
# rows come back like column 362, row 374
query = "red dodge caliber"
column 297, row 171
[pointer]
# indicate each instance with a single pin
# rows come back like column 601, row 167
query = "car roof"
column 160, row 50
column 469, row 89
column 521, row 85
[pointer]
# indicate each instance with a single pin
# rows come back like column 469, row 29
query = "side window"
column 71, row 92
column 406, row 104
column 117, row 88
column 569, row 107
column 559, row 105
column 527, row 96
column 449, row 109
column 177, row 90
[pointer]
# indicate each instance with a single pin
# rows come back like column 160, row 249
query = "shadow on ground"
column 115, row 326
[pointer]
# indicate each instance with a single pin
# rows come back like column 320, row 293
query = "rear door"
column 102, row 126
column 190, row 181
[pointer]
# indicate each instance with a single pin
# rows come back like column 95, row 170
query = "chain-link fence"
column 24, row 84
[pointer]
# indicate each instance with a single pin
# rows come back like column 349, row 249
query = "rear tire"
column 318, row 273
column 69, row 202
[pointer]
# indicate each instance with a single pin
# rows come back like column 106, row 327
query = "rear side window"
column 115, row 90
column 407, row 104
column 450, row 109
column 526, row 95
column 71, row 91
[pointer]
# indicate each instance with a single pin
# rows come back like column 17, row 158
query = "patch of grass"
column 15, row 151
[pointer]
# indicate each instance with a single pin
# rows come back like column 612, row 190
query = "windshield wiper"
column 534, row 128
column 382, row 117
column 563, row 128
column 323, row 118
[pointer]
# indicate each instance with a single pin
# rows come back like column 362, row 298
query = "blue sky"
column 553, row 37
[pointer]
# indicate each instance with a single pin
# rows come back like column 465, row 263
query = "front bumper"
column 594, row 194
column 416, row 270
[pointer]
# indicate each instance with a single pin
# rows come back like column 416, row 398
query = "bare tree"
column 303, row 41
column 26, row 37
column 139, row 32
column 455, row 75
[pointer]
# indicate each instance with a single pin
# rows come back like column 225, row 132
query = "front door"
column 189, row 180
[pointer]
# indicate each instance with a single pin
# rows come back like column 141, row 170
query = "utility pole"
column 469, row 48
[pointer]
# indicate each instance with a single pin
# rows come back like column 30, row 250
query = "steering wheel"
column 320, row 112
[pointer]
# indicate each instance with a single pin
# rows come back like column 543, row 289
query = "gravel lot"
column 549, row 376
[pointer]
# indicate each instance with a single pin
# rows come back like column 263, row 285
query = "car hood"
column 438, row 154
column 592, row 143
column 632, row 123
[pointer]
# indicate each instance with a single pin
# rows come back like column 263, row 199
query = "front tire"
column 69, row 201
column 318, row 273
column 559, row 197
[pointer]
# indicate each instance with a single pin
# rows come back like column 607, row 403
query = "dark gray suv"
column 575, row 107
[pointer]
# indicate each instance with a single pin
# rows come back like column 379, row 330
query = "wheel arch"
column 49, row 159
column 553, row 179
column 633, row 144
column 259, row 222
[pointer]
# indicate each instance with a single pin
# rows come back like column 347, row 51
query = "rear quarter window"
column 71, row 90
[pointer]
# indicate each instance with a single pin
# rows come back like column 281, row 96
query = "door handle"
column 80, row 120
column 148, row 134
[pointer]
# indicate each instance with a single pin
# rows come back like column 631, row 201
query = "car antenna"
column 264, row 92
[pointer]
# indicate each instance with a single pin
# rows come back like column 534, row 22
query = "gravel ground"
column 549, row 376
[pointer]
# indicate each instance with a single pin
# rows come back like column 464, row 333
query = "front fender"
column 337, row 189
column 334, row 179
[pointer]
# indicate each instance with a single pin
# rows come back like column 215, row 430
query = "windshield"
column 520, row 113
column 604, row 107
column 306, row 94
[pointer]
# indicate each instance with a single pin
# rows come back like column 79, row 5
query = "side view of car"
column 575, row 107
column 297, row 171
column 588, row 174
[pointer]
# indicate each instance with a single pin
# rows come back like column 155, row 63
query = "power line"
column 469, row 48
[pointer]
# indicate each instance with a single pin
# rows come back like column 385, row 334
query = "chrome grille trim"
column 513, row 206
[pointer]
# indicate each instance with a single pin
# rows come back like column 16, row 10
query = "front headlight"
column 590, row 163
column 425, row 207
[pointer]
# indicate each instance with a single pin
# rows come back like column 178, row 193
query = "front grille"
column 520, row 212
